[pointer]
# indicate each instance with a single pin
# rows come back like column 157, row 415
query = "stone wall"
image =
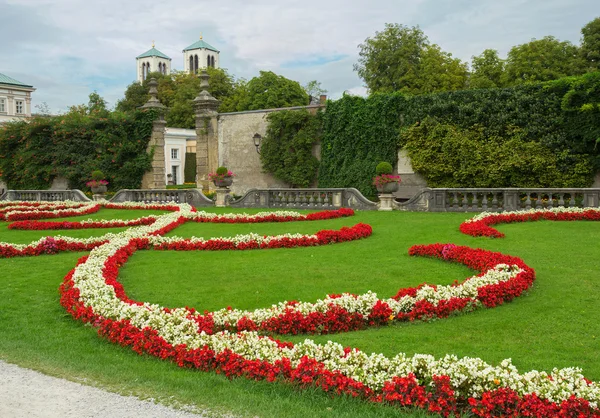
column 238, row 153
column 412, row 183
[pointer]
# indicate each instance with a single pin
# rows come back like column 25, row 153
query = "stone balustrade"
column 325, row 198
column 193, row 197
column 430, row 200
column 509, row 199
column 45, row 195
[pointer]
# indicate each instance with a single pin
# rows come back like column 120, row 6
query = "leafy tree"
column 590, row 44
column 438, row 71
column 542, row 60
column 314, row 90
column 269, row 90
column 286, row 150
column 487, row 70
column 389, row 61
column 177, row 91
column 401, row 59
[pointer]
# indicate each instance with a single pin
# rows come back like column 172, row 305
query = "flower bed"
column 90, row 223
column 240, row 343
column 480, row 225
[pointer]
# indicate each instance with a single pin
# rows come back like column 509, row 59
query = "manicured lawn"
column 557, row 324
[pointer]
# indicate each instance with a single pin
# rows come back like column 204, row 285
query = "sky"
column 67, row 49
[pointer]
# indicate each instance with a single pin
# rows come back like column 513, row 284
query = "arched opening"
column 191, row 65
column 208, row 60
column 196, row 63
column 212, row 61
column 143, row 71
column 148, row 68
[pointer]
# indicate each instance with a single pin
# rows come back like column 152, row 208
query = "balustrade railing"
column 316, row 198
column 193, row 197
column 46, row 195
column 498, row 200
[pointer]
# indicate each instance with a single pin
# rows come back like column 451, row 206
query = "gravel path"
column 26, row 393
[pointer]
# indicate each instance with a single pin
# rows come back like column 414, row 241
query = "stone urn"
column 100, row 189
column 224, row 182
column 388, row 187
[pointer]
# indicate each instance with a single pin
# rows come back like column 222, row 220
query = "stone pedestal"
column 205, row 107
column 386, row 202
column 222, row 193
column 155, row 178
column 98, row 196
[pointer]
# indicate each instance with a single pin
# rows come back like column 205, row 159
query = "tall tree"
column 486, row 70
column 177, row 91
column 389, row 61
column 542, row 60
column 590, row 44
column 438, row 71
column 400, row 58
column 269, row 90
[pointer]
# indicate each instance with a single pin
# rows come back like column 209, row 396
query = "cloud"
column 69, row 48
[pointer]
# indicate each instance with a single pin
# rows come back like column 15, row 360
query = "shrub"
column 222, row 171
column 383, row 168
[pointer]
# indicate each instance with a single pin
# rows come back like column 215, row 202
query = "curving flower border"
column 481, row 224
column 448, row 386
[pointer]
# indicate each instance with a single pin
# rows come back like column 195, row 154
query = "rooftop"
column 200, row 44
column 153, row 52
column 4, row 79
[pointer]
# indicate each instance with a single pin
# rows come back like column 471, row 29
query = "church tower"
column 152, row 61
column 200, row 55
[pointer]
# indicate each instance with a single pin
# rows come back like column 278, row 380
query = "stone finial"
column 205, row 103
column 153, row 102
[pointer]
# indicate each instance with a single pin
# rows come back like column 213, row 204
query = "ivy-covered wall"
column 561, row 117
column 33, row 153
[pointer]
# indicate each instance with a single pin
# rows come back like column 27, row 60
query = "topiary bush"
column 383, row 168
column 222, row 171
column 97, row 175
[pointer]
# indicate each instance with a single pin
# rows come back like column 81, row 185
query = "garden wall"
column 237, row 152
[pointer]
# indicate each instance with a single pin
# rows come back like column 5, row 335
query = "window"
column 174, row 154
column 19, row 107
column 191, row 64
column 2, row 105
column 212, row 61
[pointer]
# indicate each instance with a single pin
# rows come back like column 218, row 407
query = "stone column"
column 155, row 178
column 207, row 153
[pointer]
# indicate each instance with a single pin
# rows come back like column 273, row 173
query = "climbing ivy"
column 561, row 116
column 286, row 149
column 34, row 152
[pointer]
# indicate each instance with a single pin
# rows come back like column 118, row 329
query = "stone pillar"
column 207, row 152
column 155, row 178
column 386, row 202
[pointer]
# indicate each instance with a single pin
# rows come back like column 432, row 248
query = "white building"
column 15, row 99
column 196, row 56
column 199, row 55
column 152, row 61
column 178, row 141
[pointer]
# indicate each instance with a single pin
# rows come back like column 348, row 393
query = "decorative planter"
column 99, row 189
column 388, row 187
column 225, row 182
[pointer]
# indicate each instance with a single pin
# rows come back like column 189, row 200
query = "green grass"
column 556, row 324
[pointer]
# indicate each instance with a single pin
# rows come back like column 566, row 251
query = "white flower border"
column 469, row 376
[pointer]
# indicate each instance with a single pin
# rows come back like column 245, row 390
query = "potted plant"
column 384, row 181
column 97, row 183
column 222, row 178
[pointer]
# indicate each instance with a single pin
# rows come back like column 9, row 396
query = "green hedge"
column 34, row 152
column 189, row 175
column 561, row 115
